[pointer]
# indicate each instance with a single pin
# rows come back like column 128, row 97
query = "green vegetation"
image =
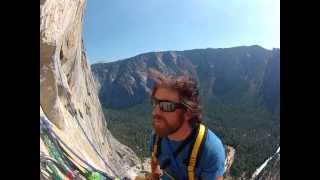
column 132, row 127
column 246, row 125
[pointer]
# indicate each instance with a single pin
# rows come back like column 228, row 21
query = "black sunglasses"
column 165, row 105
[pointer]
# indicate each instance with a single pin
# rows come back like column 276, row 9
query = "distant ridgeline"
column 239, row 88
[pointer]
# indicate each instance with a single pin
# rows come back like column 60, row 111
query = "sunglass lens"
column 167, row 107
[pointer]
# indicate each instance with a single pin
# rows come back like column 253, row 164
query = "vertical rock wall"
column 68, row 95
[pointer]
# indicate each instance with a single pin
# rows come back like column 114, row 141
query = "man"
column 176, row 118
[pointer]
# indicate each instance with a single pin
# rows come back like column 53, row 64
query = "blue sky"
column 118, row 29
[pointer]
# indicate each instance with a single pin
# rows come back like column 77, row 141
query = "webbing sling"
column 201, row 132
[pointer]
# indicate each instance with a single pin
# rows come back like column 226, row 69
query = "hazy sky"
column 118, row 29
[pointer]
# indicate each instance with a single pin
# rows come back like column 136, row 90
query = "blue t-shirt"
column 211, row 161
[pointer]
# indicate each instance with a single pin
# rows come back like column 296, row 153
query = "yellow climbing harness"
column 194, row 153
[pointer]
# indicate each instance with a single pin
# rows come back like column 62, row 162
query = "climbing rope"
column 92, row 172
column 46, row 161
column 50, row 168
column 54, row 151
column 78, row 122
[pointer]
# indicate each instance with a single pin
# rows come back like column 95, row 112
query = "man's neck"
column 182, row 133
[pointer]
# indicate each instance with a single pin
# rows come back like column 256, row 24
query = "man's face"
column 166, row 123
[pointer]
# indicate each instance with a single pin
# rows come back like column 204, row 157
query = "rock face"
column 271, row 83
column 272, row 172
column 230, row 151
column 270, row 169
column 68, row 93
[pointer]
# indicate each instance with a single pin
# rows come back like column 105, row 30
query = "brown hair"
column 185, row 85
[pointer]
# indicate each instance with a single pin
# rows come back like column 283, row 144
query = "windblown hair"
column 187, row 88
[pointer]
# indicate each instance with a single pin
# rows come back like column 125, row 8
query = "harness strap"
column 194, row 153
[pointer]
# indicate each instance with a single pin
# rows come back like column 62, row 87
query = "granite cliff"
column 69, row 104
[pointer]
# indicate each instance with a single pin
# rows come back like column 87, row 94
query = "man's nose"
column 156, row 110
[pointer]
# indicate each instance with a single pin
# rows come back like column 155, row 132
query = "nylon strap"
column 194, row 153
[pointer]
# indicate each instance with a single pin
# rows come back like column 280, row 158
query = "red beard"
column 163, row 128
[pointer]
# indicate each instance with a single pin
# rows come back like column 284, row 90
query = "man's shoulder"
column 212, row 137
column 212, row 158
column 213, row 144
